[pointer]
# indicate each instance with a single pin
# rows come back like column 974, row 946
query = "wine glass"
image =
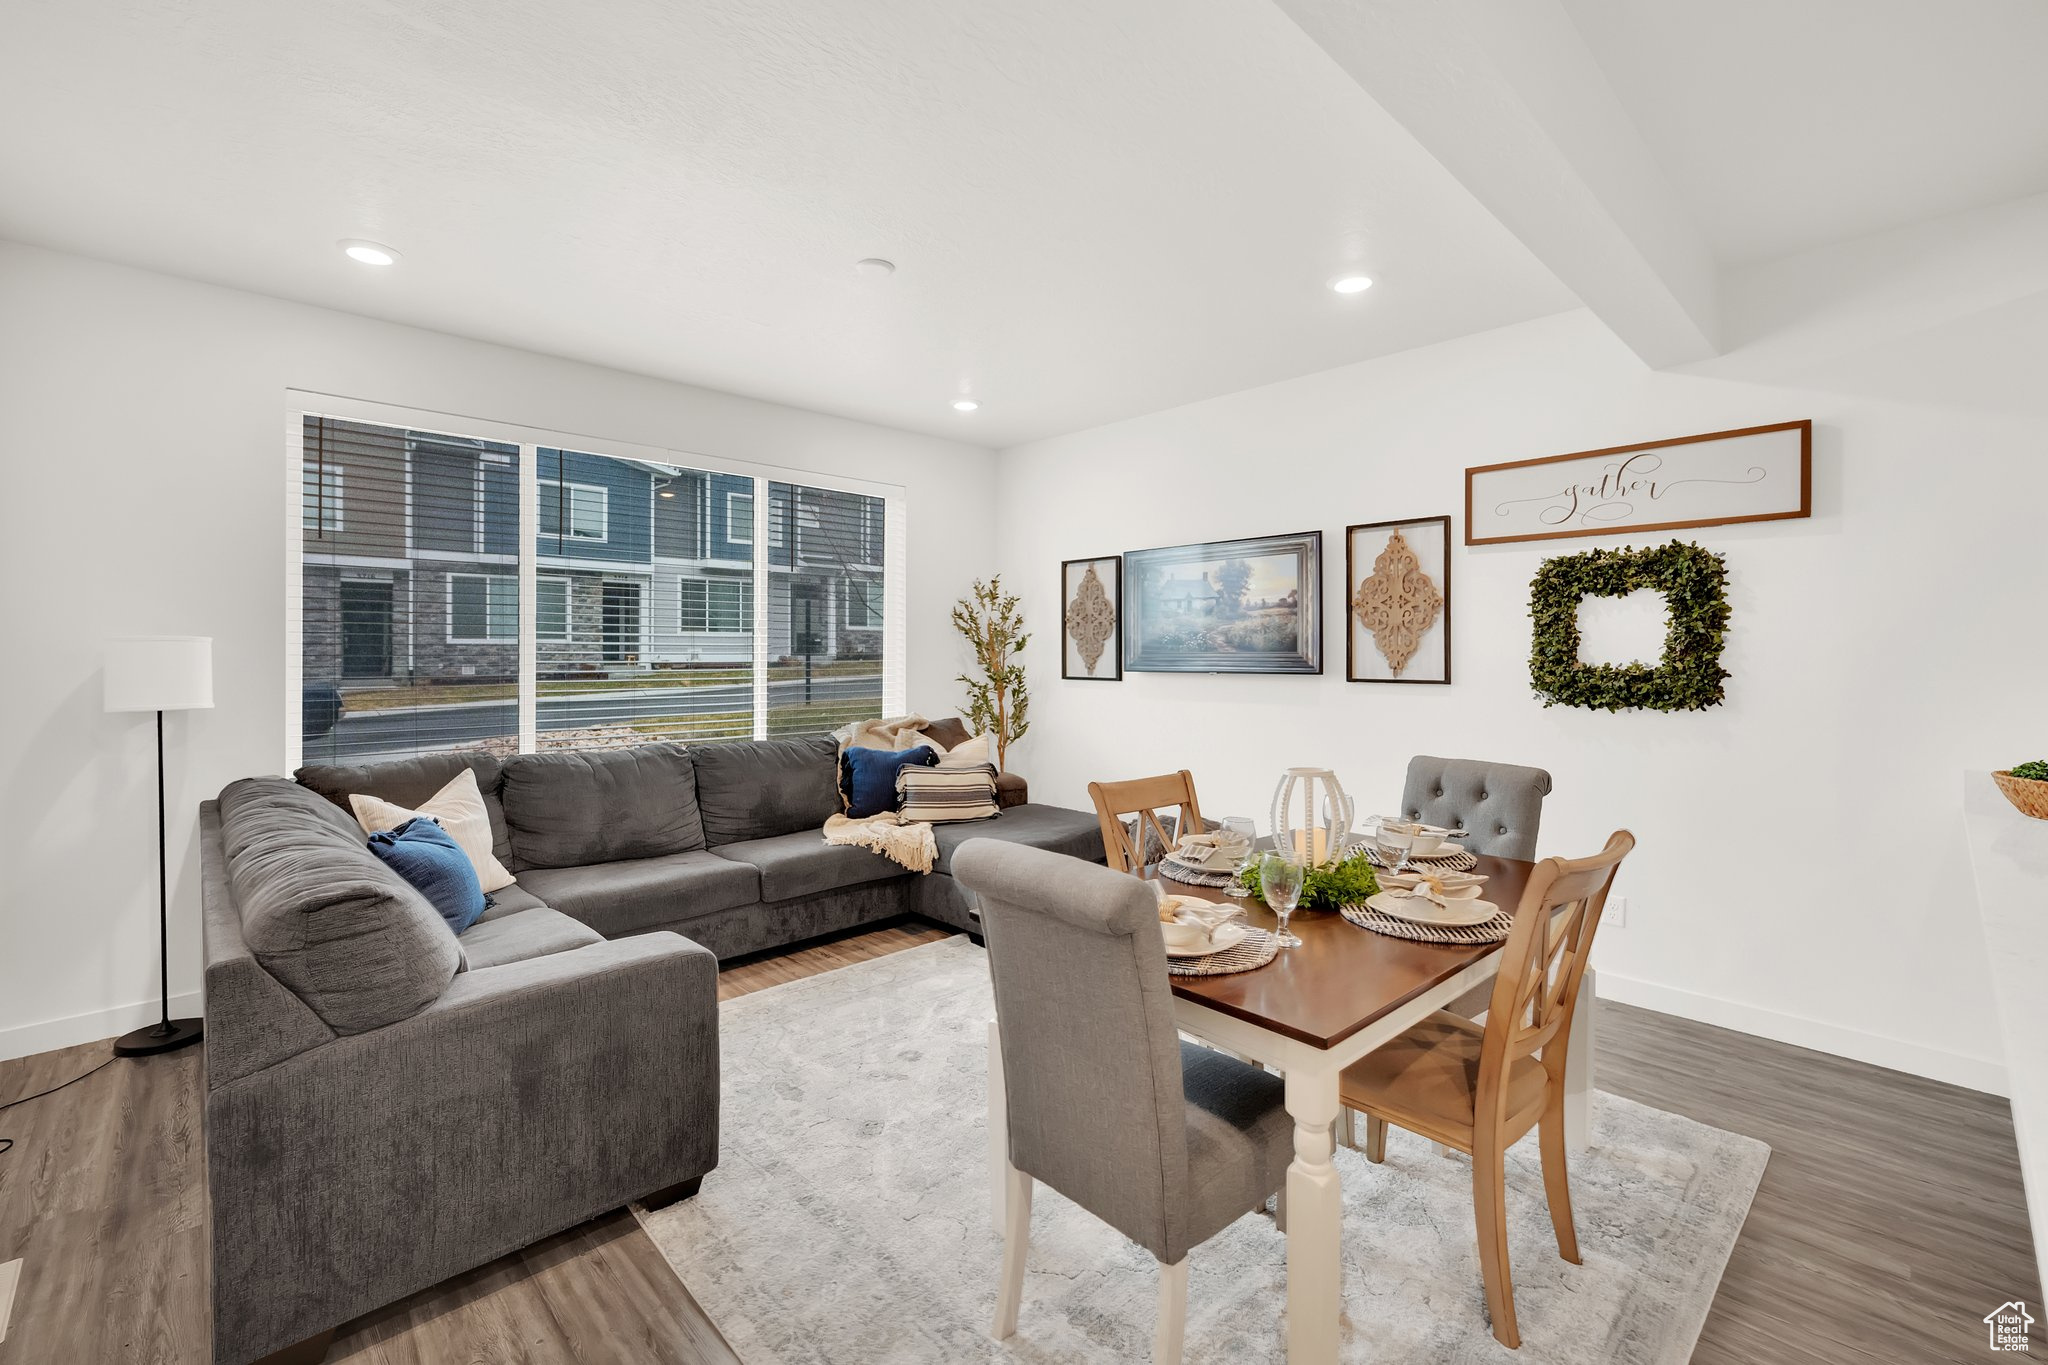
column 1244, row 829
column 1392, row 846
column 1280, row 877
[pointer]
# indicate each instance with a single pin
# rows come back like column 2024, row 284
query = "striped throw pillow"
column 947, row 794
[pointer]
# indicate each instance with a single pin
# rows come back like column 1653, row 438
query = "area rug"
column 848, row 1220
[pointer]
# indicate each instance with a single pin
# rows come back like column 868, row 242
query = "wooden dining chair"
column 1143, row 797
column 1480, row 1088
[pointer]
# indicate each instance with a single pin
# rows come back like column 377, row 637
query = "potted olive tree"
column 992, row 622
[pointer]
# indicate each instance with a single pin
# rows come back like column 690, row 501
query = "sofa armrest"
column 530, row 1097
column 1011, row 790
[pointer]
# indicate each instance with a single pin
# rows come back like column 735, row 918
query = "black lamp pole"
column 168, row 1034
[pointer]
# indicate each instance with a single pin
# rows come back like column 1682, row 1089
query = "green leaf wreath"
column 1692, row 580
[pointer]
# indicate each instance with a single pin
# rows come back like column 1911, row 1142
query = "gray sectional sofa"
column 388, row 1105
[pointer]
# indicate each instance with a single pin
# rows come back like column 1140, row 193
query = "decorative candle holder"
column 1311, row 816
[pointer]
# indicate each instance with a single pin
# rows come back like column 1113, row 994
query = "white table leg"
column 998, row 1131
column 1578, row 1068
column 1315, row 1211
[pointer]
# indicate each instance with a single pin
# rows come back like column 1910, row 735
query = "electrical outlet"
column 1617, row 911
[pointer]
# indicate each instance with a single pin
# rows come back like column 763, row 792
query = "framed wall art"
column 1397, row 586
column 1750, row 474
column 1229, row 606
column 1091, row 619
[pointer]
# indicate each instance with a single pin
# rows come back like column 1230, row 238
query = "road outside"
column 656, row 712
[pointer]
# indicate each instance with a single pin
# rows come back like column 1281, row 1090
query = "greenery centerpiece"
column 992, row 621
column 1329, row 886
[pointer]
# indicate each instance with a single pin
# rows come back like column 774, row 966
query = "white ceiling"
column 1098, row 209
column 1789, row 124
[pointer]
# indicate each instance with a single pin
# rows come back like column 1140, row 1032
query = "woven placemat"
column 1492, row 931
column 1452, row 859
column 1181, row 872
column 1257, row 949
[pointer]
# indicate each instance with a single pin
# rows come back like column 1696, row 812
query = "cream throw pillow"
column 457, row 808
column 970, row 752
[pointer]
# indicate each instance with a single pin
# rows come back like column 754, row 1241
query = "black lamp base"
column 159, row 1037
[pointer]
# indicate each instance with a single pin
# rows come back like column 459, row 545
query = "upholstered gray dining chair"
column 1501, row 804
column 1166, row 1142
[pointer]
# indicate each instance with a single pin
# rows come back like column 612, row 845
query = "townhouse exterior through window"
column 646, row 592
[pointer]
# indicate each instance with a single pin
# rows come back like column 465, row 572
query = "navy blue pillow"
column 423, row 853
column 868, row 777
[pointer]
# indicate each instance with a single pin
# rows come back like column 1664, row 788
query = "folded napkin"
column 1433, row 886
column 1214, row 847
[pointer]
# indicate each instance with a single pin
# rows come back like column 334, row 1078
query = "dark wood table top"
column 1342, row 977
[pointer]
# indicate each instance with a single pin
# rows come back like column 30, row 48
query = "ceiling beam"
column 1507, row 97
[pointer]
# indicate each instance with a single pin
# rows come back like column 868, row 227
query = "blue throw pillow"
column 423, row 853
column 869, row 777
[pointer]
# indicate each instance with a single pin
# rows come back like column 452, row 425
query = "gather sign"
column 1751, row 474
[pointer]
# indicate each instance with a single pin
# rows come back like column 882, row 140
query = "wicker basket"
column 2028, row 796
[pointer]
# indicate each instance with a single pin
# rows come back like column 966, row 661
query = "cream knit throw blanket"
column 907, row 842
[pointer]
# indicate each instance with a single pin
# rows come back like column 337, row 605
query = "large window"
column 643, row 620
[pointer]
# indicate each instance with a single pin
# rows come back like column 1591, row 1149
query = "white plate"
column 1422, row 910
column 1226, row 937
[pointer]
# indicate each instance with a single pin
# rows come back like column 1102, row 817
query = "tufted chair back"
column 1500, row 803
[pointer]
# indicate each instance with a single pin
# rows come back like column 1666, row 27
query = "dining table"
column 1309, row 1013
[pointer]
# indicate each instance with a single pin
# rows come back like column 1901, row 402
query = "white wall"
column 1801, row 871
column 142, row 424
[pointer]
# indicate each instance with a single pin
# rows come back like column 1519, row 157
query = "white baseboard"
column 25, row 1040
column 1896, row 1054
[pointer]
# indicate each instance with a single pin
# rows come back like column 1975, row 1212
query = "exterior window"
column 321, row 513
column 482, row 608
column 574, row 511
column 739, row 518
column 863, row 604
column 721, row 606
column 551, row 608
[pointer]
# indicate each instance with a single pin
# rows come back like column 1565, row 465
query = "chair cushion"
column 602, row 805
column 1053, row 828
column 412, row 782
column 1240, row 1138
column 757, row 789
column 1430, row 1075
column 804, row 864
column 525, row 934
column 638, row 894
column 342, row 931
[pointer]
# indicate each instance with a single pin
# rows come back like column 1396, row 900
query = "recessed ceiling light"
column 1351, row 284
column 965, row 405
column 368, row 253
column 876, row 266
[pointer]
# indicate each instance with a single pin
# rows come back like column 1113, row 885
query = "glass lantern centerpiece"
column 1311, row 816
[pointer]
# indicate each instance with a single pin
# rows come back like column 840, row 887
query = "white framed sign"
column 1752, row 474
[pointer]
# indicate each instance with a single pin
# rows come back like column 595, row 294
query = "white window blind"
column 649, row 598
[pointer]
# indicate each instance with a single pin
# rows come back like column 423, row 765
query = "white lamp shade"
column 159, row 673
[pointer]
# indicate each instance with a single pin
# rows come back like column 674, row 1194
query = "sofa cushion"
column 411, row 782
column 601, row 805
column 342, row 931
column 526, row 934
column 1053, row 828
column 644, row 893
column 510, row 901
column 758, row 789
column 426, row 856
column 867, row 777
column 803, row 864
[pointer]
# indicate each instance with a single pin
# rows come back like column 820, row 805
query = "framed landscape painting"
column 1228, row 606
column 1091, row 619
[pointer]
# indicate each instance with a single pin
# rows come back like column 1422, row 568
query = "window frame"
column 487, row 639
column 867, row 590
column 547, row 580
column 733, row 524
column 567, row 503
column 322, row 471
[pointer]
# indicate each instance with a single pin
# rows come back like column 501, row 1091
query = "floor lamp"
column 160, row 673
